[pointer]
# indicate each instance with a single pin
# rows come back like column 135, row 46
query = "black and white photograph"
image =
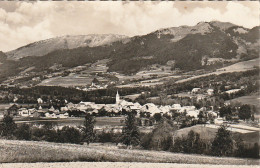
column 129, row 84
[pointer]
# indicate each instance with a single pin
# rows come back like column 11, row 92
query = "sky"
column 22, row 23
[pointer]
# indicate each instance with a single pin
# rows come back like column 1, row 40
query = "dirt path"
column 115, row 165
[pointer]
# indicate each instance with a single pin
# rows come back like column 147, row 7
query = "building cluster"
column 111, row 109
column 14, row 110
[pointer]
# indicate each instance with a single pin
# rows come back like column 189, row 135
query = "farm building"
column 195, row 90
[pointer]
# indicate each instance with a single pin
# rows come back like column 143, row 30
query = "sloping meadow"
column 13, row 151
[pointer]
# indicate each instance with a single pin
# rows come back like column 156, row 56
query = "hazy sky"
column 25, row 22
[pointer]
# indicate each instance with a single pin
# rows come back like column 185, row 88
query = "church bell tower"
column 117, row 98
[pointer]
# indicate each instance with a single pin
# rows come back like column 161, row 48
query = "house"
column 165, row 109
column 212, row 113
column 50, row 115
column 70, row 106
column 64, row 109
column 13, row 110
column 187, row 109
column 150, row 108
column 42, row 111
column 219, row 121
column 200, row 97
column 52, row 109
column 56, row 111
column 94, row 111
column 176, row 107
column 135, row 106
column 15, row 99
column 193, row 113
column 65, row 115
column 40, row 101
column 210, row 92
column 84, row 106
column 38, row 114
column 195, row 90
column 232, row 91
column 32, row 110
column 24, row 112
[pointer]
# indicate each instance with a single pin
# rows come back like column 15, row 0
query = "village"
column 112, row 109
column 206, row 115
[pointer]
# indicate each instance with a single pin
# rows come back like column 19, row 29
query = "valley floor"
column 13, row 151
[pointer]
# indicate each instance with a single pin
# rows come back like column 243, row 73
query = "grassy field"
column 252, row 100
column 237, row 67
column 13, row 151
column 100, row 121
column 74, row 80
column 208, row 133
column 242, row 66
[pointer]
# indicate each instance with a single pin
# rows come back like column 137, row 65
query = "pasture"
column 13, row 151
column 72, row 80
column 237, row 67
column 241, row 66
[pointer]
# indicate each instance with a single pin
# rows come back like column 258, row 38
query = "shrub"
column 157, row 117
column 244, row 112
column 178, row 145
column 244, row 152
column 37, row 134
column 69, row 135
column 161, row 138
column 51, row 136
column 190, row 144
column 44, row 134
column 145, row 140
column 104, row 137
column 23, row 132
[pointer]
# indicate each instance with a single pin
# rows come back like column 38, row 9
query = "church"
column 117, row 98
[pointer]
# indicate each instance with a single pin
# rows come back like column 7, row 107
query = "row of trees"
column 84, row 133
column 161, row 138
column 224, row 144
column 243, row 112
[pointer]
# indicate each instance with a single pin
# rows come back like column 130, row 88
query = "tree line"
column 161, row 138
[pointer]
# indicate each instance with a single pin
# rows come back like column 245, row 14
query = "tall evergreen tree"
column 88, row 128
column 130, row 132
column 8, row 126
column 222, row 145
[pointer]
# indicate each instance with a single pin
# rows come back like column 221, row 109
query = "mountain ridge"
column 43, row 47
column 187, row 46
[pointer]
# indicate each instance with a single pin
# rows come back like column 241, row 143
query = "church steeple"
column 117, row 97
